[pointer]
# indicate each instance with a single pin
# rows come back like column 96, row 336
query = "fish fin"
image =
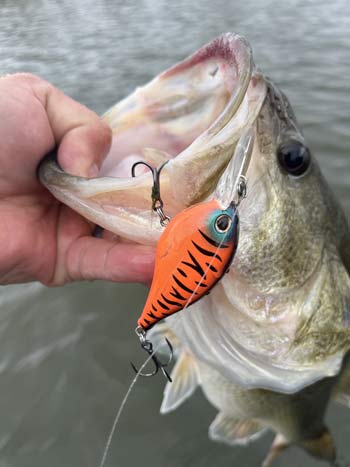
column 342, row 398
column 185, row 376
column 155, row 156
column 233, row 431
column 341, row 390
column 279, row 445
column 321, row 446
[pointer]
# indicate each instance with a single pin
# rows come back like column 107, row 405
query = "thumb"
column 84, row 139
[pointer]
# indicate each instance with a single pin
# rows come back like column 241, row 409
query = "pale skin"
column 40, row 238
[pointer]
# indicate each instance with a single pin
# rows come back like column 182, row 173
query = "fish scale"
column 190, row 260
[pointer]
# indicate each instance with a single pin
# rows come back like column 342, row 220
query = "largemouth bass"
column 268, row 346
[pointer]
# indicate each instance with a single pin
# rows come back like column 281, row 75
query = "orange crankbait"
column 194, row 252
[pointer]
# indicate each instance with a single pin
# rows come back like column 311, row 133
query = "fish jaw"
column 120, row 205
column 193, row 115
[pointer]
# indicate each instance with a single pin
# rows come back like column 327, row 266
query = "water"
column 64, row 353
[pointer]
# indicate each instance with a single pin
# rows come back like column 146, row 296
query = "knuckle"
column 29, row 78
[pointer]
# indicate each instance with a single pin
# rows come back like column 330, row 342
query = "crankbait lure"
column 194, row 252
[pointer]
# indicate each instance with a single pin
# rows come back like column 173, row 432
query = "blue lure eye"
column 223, row 224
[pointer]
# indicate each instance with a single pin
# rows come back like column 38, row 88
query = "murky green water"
column 64, row 353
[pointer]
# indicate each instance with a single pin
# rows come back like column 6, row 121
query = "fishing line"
column 120, row 410
column 133, row 382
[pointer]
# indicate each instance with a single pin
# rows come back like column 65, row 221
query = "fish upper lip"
column 229, row 47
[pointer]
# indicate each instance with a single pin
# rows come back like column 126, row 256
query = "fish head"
column 279, row 319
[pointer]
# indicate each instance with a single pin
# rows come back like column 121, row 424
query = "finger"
column 39, row 117
column 84, row 140
column 90, row 258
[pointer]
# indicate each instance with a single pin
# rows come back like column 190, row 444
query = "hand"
column 40, row 238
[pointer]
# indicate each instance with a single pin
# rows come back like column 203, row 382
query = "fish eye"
column 223, row 223
column 294, row 157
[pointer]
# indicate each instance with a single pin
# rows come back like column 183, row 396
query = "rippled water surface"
column 64, row 353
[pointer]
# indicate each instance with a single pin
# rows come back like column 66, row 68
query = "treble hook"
column 148, row 347
column 157, row 203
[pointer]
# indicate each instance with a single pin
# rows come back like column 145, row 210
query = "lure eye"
column 223, row 223
column 294, row 157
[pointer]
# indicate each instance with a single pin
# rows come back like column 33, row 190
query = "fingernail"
column 93, row 171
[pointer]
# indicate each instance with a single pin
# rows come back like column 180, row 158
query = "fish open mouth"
column 174, row 109
column 192, row 115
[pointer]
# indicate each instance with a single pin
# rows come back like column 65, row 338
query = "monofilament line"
column 118, row 415
column 132, row 384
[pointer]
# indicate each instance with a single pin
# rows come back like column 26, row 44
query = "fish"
column 269, row 346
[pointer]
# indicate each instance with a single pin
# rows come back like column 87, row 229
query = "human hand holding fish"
column 41, row 238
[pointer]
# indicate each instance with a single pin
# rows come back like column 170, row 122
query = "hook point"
column 148, row 347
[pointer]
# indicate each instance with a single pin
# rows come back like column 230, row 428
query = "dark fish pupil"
column 294, row 157
column 293, row 160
